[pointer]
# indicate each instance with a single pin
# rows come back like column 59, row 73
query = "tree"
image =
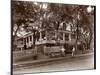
column 49, row 16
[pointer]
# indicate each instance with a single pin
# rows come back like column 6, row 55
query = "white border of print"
column 81, row 2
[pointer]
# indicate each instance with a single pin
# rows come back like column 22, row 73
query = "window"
column 67, row 37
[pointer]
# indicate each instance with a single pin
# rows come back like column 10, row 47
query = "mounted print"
column 52, row 37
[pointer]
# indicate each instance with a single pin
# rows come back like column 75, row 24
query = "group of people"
column 63, row 51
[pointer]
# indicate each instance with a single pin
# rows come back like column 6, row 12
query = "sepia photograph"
column 52, row 37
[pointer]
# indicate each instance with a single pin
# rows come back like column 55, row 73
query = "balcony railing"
column 72, row 41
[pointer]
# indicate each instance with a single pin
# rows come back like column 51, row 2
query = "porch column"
column 56, row 34
column 26, row 41
column 40, row 35
column 32, row 38
column 63, row 36
column 29, row 41
column 69, row 36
